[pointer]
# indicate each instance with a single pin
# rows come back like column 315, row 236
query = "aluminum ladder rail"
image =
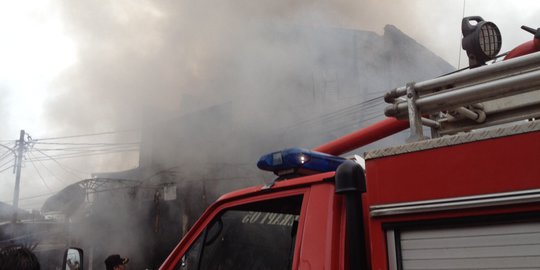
column 458, row 90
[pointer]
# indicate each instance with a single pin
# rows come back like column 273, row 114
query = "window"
column 253, row 236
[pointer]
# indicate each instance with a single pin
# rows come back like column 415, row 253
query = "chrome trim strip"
column 496, row 199
column 391, row 248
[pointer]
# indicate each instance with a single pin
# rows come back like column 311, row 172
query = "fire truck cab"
column 467, row 197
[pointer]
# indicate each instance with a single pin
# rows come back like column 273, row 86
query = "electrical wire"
column 459, row 47
column 343, row 127
column 34, row 196
column 88, row 135
column 74, row 149
column 77, row 150
column 89, row 150
column 85, row 148
column 6, row 154
column 346, row 114
column 350, row 109
column 40, row 176
column 76, row 155
column 9, row 161
column 347, row 111
column 11, row 149
column 338, row 120
column 88, row 144
column 65, row 168
column 46, row 168
column 39, row 195
column 5, row 169
column 355, row 117
column 5, row 158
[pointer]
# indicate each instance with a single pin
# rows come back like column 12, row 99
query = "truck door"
column 251, row 233
column 289, row 229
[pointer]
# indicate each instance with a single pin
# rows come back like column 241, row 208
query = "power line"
column 349, row 110
column 87, row 148
column 344, row 126
column 5, row 169
column 10, row 150
column 340, row 119
column 5, row 158
column 46, row 168
column 6, row 154
column 73, row 151
column 88, row 144
column 7, row 147
column 9, row 161
column 77, row 155
column 358, row 114
column 88, row 135
column 40, row 176
column 459, row 47
column 35, row 196
column 65, row 168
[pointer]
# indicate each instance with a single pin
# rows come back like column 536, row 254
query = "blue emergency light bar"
column 298, row 161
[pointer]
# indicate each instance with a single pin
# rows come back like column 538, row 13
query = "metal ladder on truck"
column 496, row 94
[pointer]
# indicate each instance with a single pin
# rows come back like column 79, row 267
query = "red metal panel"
column 490, row 166
column 377, row 241
column 320, row 247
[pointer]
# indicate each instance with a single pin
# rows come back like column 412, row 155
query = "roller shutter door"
column 508, row 246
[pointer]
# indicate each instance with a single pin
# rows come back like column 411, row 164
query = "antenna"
column 459, row 47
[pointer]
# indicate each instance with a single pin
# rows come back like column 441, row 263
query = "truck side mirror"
column 73, row 259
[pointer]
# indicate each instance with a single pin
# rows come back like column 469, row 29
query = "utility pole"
column 18, row 162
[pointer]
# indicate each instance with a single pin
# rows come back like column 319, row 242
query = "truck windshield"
column 253, row 236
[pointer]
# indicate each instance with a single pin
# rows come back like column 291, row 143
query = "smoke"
column 213, row 84
column 139, row 60
column 146, row 62
column 209, row 83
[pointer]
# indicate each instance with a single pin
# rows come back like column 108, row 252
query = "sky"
column 60, row 62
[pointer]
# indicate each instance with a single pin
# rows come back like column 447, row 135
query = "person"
column 73, row 265
column 115, row 262
column 18, row 257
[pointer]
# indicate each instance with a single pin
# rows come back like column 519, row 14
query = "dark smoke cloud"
column 258, row 65
column 145, row 63
column 207, row 82
column 138, row 59
column 135, row 59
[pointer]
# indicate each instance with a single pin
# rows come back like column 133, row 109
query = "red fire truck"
column 465, row 197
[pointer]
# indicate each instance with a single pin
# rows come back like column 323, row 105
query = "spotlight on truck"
column 482, row 40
